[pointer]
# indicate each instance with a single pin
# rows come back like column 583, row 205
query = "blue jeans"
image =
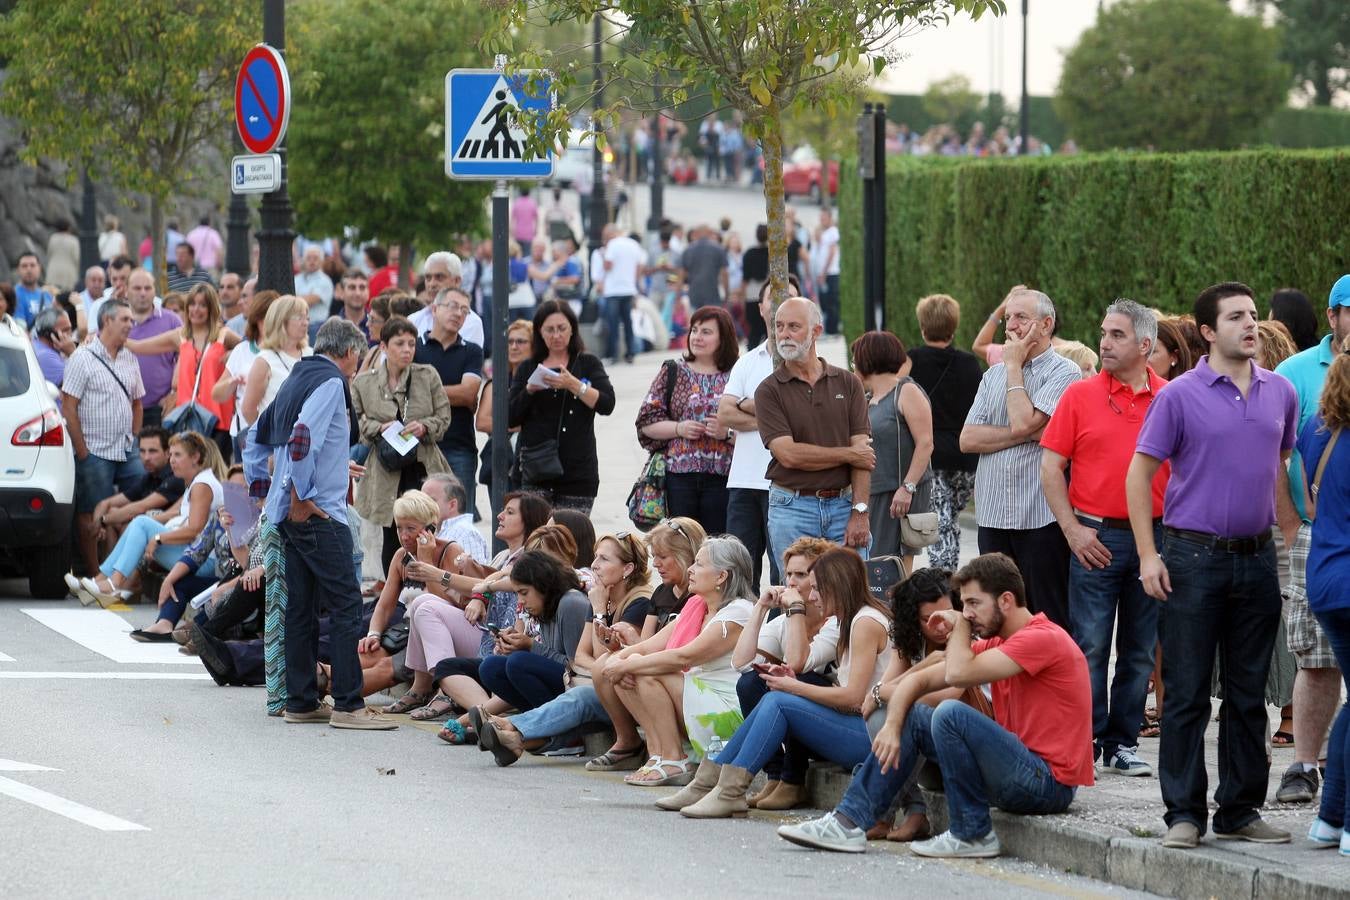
column 525, row 680
column 791, row 517
column 982, row 764
column 619, row 313
column 1223, row 606
column 748, row 519
column 319, row 576
column 1335, row 808
column 130, row 548
column 98, row 479
column 700, row 496
column 1101, row 600
column 789, row 764
column 827, row 733
column 464, row 463
column 564, row 713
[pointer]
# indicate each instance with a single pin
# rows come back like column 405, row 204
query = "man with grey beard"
column 813, row 418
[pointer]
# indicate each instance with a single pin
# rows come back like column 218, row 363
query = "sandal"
column 1282, row 738
column 454, row 733
column 408, row 702
column 618, row 760
column 437, row 707
column 683, row 774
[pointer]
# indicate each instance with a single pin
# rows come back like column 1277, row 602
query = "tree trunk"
column 771, row 139
column 1321, row 86
column 405, row 279
column 157, row 245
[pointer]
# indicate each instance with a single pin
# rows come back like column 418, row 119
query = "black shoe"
column 476, row 720
column 152, row 637
column 213, row 654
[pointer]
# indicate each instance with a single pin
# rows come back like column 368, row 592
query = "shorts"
column 97, row 479
column 1306, row 640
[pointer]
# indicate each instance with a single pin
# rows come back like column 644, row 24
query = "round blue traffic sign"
column 262, row 99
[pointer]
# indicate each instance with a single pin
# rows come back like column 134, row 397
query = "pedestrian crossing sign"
column 481, row 140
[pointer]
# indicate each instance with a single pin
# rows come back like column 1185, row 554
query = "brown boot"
column 769, row 787
column 727, row 800
column 705, row 779
column 788, row 796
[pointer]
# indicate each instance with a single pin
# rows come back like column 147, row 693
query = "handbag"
column 647, row 500
column 883, row 574
column 395, row 637
column 192, row 416
column 540, row 463
column 387, row 453
column 917, row 529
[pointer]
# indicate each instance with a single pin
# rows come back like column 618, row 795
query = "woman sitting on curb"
column 675, row 685
column 620, row 595
column 824, row 719
column 673, row 544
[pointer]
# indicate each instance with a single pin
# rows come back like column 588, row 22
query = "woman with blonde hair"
column 201, row 362
column 285, row 341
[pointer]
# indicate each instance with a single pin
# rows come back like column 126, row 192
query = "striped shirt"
column 104, row 409
column 1008, row 490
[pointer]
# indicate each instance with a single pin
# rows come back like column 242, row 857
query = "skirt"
column 712, row 711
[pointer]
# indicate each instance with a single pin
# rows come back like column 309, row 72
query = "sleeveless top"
column 410, row 589
column 893, row 443
column 208, row 478
column 281, row 365
column 883, row 658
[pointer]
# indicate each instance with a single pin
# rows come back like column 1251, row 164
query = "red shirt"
column 1048, row 705
column 381, row 279
column 1095, row 427
column 213, row 366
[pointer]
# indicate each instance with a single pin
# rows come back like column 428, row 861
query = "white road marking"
column 105, row 633
column 10, row 765
column 114, row 676
column 69, row 808
column 6, row 658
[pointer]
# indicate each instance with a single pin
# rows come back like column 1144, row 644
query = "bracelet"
column 993, row 318
column 373, row 634
column 677, row 429
column 876, row 695
column 796, row 610
column 1016, row 387
column 738, row 404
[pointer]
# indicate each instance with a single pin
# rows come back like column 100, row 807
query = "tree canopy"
column 1171, row 75
column 1317, row 44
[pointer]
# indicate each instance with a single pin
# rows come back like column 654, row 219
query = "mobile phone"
column 494, row 630
column 485, row 630
column 762, row 668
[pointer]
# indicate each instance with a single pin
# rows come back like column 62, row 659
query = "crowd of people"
column 234, row 462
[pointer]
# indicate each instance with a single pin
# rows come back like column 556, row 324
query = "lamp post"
column 1024, row 113
column 88, row 229
column 236, row 232
column 599, row 203
column 275, row 237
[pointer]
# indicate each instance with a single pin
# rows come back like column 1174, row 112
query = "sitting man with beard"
column 1030, row 758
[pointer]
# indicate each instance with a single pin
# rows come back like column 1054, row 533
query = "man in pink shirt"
column 208, row 245
column 524, row 218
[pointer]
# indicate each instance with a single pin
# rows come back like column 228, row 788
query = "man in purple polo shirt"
column 1228, row 427
column 151, row 320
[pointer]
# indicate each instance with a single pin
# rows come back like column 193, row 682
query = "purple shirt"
column 1225, row 449
column 157, row 368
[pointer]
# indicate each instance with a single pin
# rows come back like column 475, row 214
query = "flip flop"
column 618, row 760
column 454, row 733
column 1282, row 739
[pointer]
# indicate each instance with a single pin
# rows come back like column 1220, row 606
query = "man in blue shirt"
column 1317, row 683
column 32, row 299
column 53, row 343
column 306, row 433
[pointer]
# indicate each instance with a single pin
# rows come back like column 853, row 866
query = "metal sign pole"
column 501, row 368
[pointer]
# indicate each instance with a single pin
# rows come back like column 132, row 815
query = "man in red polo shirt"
column 1095, row 427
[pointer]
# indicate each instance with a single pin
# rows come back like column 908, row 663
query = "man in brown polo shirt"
column 813, row 418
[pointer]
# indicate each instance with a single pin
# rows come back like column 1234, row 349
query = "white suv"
column 37, row 470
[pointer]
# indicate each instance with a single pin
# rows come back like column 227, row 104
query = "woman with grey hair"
column 681, row 681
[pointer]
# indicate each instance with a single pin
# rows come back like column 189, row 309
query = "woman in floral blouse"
column 697, row 446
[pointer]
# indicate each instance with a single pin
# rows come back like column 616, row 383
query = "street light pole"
column 1024, row 113
column 599, row 204
column 88, row 229
column 656, row 179
column 236, row 231
column 275, row 237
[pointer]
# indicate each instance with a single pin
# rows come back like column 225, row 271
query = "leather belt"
column 1243, row 545
column 1108, row 522
column 820, row 495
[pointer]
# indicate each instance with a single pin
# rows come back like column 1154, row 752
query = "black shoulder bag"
column 540, row 463
column 389, row 457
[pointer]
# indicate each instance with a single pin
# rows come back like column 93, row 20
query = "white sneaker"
column 1323, row 836
column 1126, row 761
column 825, row 833
column 949, row 846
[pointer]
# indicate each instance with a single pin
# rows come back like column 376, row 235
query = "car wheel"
column 46, row 568
column 815, row 193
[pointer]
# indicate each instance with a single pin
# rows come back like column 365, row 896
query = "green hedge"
column 1313, row 127
column 1156, row 228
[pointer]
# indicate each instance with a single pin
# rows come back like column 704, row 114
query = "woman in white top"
column 824, row 719
column 284, row 343
column 238, row 364
column 161, row 536
column 681, row 678
column 112, row 243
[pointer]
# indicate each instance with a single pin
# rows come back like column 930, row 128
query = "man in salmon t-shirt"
column 1030, row 758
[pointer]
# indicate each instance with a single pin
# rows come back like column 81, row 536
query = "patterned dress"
column 274, row 628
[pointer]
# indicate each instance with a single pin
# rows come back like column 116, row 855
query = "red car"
column 802, row 174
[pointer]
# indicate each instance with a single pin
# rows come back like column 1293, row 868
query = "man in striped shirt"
column 1015, row 401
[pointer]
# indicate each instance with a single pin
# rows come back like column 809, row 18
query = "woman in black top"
column 951, row 378
column 564, row 411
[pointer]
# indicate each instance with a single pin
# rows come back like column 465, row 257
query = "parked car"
column 576, row 158
column 802, row 174
column 37, row 471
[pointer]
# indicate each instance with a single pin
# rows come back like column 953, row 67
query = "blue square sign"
column 481, row 141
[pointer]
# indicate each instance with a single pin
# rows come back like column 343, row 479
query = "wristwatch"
column 860, row 508
column 911, row 487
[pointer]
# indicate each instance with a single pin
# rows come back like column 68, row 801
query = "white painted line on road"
column 10, row 765
column 106, row 634
column 114, row 676
column 6, row 658
column 68, row 808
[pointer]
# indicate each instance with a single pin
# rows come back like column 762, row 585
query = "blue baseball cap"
column 1340, row 292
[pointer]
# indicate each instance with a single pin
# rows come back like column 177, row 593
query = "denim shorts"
column 97, row 479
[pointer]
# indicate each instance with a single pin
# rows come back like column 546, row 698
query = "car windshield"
column 14, row 378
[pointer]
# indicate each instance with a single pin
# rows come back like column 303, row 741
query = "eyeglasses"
column 516, row 342
column 455, row 308
column 1111, row 402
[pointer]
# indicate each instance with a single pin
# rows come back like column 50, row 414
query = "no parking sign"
column 262, row 99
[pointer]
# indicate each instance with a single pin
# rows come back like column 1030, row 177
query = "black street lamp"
column 236, row 232
column 1024, row 114
column 599, row 203
column 275, row 237
column 88, row 230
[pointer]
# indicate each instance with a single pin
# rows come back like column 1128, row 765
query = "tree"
column 134, row 92
column 765, row 58
column 1316, row 44
column 954, row 101
column 366, row 139
column 1171, row 75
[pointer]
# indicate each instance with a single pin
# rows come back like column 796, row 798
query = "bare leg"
column 653, row 704
column 626, row 736
column 377, row 677
column 464, row 691
column 1317, row 697
column 422, row 682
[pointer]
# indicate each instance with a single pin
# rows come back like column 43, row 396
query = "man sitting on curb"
column 1030, row 758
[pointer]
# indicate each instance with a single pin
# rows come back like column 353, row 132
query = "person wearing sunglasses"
column 1096, row 426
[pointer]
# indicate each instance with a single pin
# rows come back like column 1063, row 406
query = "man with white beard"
column 813, row 418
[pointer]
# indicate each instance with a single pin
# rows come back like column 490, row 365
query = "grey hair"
column 109, row 309
column 813, row 316
column 453, row 487
column 338, row 337
column 44, row 324
column 1045, row 307
column 727, row 554
column 1142, row 319
column 444, row 256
